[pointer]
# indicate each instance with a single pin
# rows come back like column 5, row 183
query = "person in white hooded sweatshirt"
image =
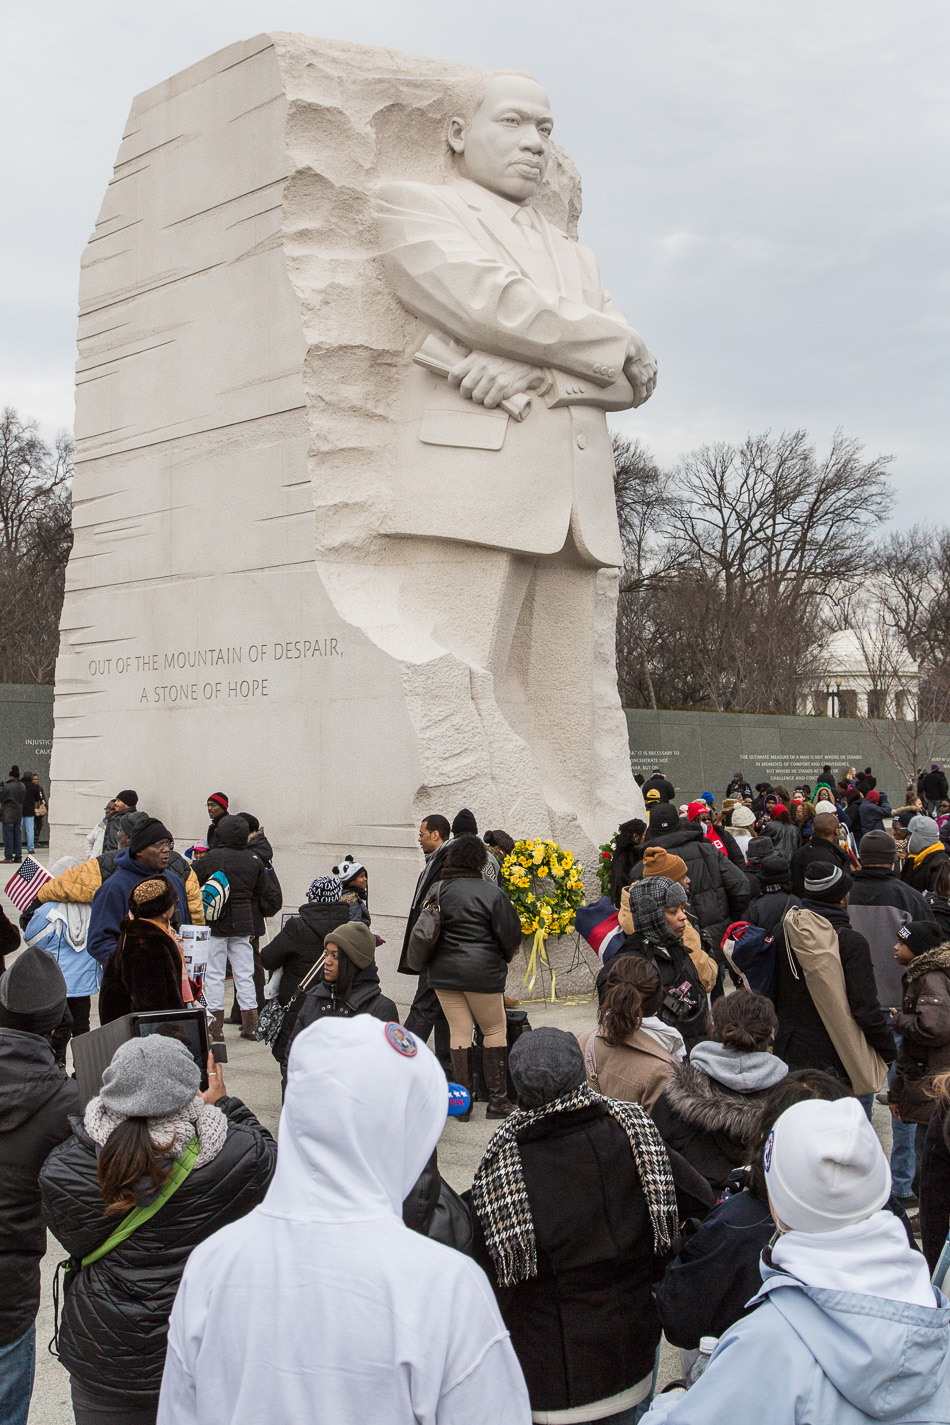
column 847, row 1328
column 321, row 1306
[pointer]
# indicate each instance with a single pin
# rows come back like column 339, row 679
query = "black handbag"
column 270, row 1021
column 425, row 933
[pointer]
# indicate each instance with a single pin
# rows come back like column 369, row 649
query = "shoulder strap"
column 140, row 1215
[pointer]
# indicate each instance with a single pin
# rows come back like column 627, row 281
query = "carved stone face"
column 508, row 143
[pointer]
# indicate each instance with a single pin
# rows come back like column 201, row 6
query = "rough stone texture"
column 239, row 613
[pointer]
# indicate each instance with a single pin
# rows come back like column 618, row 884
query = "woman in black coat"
column 710, row 1105
column 147, row 1121
column 574, row 1211
column 480, row 933
column 347, row 984
column 145, row 970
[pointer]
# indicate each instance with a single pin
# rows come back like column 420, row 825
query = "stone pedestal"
column 237, row 615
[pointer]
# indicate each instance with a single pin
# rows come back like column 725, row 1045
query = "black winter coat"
column 660, row 784
column 921, row 876
column 435, row 1210
column 114, row 1323
column 706, row 1288
column 718, row 890
column 802, row 1040
column 935, row 1186
column 427, row 876
column 767, row 910
column 246, row 875
column 36, row 1100
column 817, row 850
column 585, row 1328
column 786, row 838
column 259, row 844
column 934, row 787
column 674, row 966
column 142, row 973
column 709, row 1124
column 480, row 934
column 365, row 997
column 298, row 947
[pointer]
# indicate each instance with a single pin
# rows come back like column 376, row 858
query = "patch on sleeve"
column 402, row 1042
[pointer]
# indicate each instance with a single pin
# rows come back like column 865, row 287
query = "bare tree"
column 36, row 537
column 732, row 562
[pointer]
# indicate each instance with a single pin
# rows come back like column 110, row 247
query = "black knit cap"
column 921, row 935
column 665, row 817
column 774, row 868
column 147, row 835
column 826, row 882
column 131, row 799
column 877, row 847
column 34, row 990
column 758, row 849
column 465, row 824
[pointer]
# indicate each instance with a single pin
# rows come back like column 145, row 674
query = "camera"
column 680, row 1001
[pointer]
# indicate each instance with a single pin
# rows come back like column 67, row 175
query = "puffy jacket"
column 924, row 1026
column 36, row 1100
column 661, row 784
column 47, row 931
column 802, row 1040
column 786, row 838
column 718, row 890
column 78, row 884
column 817, row 850
column 871, row 816
column 705, row 1290
column 111, row 903
column 710, row 1107
column 115, row 1317
column 298, row 946
column 245, row 872
column 435, row 1210
column 480, row 934
column 143, row 973
column 259, row 844
column 880, row 903
column 585, row 1327
column 365, row 997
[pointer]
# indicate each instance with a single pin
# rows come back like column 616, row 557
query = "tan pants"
column 464, row 1010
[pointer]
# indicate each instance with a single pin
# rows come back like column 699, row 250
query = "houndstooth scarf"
column 501, row 1199
column 177, row 1129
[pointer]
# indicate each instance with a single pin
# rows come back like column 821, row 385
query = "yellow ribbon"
column 538, row 957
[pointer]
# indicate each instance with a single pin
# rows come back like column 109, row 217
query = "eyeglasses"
column 161, row 845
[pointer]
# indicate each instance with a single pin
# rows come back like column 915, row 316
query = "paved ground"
column 252, row 1075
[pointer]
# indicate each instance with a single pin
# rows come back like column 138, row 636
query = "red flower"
column 606, row 855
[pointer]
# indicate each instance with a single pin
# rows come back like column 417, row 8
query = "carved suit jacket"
column 464, row 266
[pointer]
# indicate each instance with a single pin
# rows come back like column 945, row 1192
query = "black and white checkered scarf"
column 501, row 1199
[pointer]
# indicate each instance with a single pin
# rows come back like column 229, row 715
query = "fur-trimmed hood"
column 697, row 1098
column 938, row 959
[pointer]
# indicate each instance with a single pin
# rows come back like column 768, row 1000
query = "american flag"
column 26, row 880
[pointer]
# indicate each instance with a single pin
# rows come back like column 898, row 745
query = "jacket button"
column 582, row 441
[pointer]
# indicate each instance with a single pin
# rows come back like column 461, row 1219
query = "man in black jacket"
column 802, row 1040
column 718, row 890
column 657, row 782
column 823, row 846
column 932, row 787
column 425, row 1012
column 231, row 932
column 36, row 1099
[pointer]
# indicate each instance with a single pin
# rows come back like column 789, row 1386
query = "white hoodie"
column 321, row 1306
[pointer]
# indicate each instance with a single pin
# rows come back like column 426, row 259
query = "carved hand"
column 488, row 380
column 640, row 369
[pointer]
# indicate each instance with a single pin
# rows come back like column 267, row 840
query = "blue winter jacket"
column 81, row 972
column 808, row 1356
column 110, row 904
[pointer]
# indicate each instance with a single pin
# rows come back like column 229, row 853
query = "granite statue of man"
column 505, row 447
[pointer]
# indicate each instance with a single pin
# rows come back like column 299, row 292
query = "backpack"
column 814, row 942
column 272, row 898
column 214, row 896
column 751, row 953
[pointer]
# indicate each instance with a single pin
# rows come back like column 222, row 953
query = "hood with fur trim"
column 937, row 959
column 698, row 1099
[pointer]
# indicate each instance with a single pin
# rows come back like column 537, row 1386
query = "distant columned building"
column 862, row 678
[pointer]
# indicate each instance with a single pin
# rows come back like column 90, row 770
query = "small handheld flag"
column 28, row 878
column 460, row 1100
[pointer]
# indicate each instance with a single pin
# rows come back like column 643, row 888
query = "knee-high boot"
column 495, row 1066
column 462, row 1074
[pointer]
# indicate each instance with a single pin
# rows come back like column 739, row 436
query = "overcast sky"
column 765, row 185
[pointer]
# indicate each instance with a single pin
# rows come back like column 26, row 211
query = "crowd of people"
column 701, row 1163
column 23, row 809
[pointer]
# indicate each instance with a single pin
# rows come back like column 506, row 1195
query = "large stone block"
column 281, row 587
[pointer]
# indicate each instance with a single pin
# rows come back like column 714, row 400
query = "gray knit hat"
column 545, row 1065
column 826, row 882
column 150, row 1077
column 34, row 985
column 924, row 832
column 356, row 940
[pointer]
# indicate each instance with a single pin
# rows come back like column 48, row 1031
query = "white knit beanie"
column 824, row 1167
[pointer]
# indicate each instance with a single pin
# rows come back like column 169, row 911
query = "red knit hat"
column 220, row 798
column 696, row 809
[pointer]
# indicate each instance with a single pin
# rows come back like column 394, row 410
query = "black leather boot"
column 462, row 1074
column 495, row 1068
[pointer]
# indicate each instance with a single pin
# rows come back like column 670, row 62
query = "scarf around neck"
column 204, row 1119
column 501, row 1199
